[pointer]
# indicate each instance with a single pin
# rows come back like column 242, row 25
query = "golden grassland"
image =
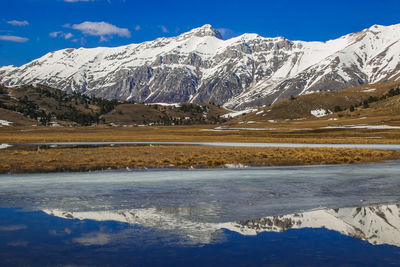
column 100, row 158
column 300, row 106
column 288, row 121
column 198, row 134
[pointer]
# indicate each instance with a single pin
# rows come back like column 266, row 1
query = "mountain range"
column 199, row 66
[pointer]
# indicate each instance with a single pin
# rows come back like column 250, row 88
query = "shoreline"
column 16, row 161
column 150, row 168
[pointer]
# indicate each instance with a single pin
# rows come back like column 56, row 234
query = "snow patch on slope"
column 237, row 113
column 5, row 123
column 320, row 112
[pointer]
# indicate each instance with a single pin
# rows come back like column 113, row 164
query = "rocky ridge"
column 199, row 66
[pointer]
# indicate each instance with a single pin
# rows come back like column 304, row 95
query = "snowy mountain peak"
column 205, row 30
column 199, row 66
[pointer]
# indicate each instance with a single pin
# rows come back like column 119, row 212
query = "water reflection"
column 212, row 196
column 166, row 220
column 200, row 217
column 375, row 224
column 379, row 224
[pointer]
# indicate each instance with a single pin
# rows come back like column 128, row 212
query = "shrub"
column 337, row 109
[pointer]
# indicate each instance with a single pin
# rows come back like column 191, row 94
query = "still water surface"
column 319, row 215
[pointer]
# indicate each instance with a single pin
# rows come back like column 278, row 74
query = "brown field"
column 288, row 121
column 99, row 158
column 198, row 134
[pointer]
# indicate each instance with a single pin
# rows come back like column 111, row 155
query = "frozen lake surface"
column 210, row 195
column 250, row 216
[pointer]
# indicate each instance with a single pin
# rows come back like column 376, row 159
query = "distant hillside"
column 367, row 101
column 41, row 105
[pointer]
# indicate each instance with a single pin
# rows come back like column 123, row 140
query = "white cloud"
column 164, row 29
column 68, row 36
column 103, row 29
column 103, row 39
column 18, row 22
column 82, row 40
column 12, row 38
column 62, row 34
column 138, row 27
column 55, row 34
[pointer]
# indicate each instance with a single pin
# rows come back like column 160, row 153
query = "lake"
column 313, row 215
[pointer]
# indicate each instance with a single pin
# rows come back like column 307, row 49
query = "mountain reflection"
column 375, row 224
column 378, row 224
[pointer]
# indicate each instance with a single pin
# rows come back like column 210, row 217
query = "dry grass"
column 98, row 158
column 195, row 134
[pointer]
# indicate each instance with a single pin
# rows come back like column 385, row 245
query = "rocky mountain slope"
column 199, row 66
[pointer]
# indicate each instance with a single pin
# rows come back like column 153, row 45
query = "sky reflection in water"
column 203, row 217
column 35, row 238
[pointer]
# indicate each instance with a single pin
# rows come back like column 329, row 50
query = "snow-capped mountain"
column 199, row 66
column 375, row 224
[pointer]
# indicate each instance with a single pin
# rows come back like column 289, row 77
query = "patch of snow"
column 262, row 129
column 5, row 123
column 213, row 130
column 320, row 112
column 177, row 105
column 4, row 146
column 54, row 124
column 308, row 92
column 368, row 90
column 260, row 112
column 237, row 113
column 362, row 126
column 235, row 166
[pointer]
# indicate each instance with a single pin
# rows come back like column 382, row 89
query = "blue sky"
column 31, row 28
